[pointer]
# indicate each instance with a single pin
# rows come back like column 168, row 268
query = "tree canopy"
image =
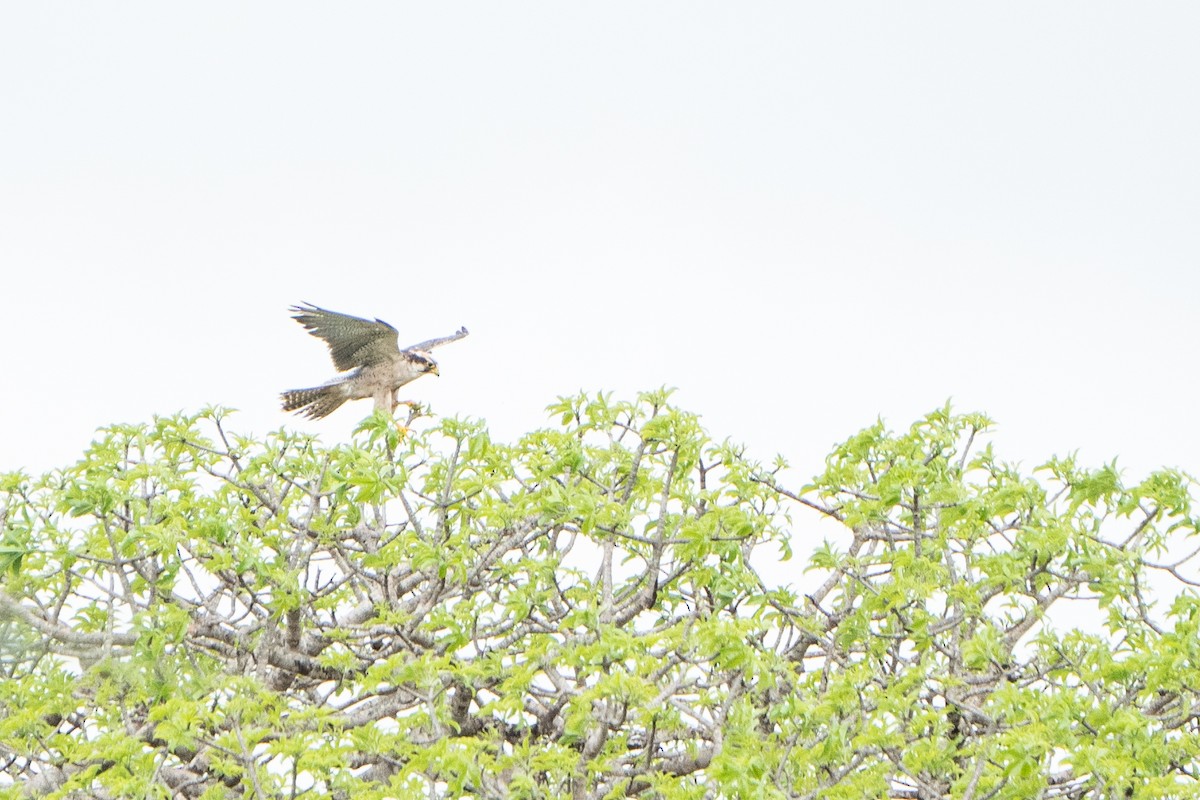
column 593, row 611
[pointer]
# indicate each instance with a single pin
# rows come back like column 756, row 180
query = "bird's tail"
column 320, row 401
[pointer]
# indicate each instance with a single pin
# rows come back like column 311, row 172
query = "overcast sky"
column 802, row 215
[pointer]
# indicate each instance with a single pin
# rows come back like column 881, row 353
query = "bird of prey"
column 369, row 352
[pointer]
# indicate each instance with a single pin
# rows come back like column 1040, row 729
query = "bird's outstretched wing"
column 353, row 341
column 429, row 344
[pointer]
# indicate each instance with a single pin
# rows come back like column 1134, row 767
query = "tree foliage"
column 192, row 613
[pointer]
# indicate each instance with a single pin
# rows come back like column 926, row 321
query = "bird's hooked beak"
column 434, row 370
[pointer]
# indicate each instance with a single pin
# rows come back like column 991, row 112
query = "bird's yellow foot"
column 414, row 411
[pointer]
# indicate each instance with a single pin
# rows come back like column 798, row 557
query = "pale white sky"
column 803, row 215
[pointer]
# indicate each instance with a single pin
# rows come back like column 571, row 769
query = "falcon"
column 368, row 351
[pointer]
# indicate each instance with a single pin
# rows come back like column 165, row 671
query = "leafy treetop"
column 192, row 613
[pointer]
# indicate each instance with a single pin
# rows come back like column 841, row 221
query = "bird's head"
column 424, row 361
